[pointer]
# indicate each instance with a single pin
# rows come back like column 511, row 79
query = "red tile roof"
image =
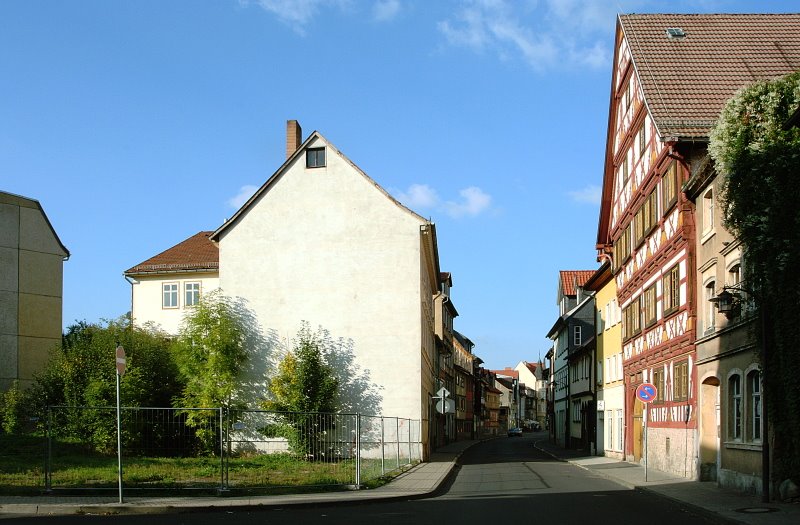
column 571, row 279
column 687, row 80
column 510, row 372
column 195, row 253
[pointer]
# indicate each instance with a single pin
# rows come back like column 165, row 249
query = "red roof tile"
column 687, row 80
column 195, row 253
column 510, row 372
column 571, row 279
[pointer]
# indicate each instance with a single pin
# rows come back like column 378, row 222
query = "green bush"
column 82, row 373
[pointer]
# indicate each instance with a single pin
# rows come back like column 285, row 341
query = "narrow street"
column 505, row 480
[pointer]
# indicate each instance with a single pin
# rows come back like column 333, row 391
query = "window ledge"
column 707, row 235
column 743, row 446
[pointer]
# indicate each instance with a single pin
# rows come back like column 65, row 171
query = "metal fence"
column 215, row 449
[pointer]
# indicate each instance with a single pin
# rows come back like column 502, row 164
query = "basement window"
column 675, row 32
column 315, row 158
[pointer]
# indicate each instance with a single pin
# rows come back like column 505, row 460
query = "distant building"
column 31, row 289
column 165, row 286
column 572, row 419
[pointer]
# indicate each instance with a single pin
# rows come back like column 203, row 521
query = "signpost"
column 646, row 393
column 121, row 363
column 444, row 405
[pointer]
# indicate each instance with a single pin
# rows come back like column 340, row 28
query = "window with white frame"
column 709, row 292
column 754, row 408
column 735, row 404
column 576, row 411
column 708, row 211
column 169, row 293
column 577, row 336
column 619, row 430
column 191, row 294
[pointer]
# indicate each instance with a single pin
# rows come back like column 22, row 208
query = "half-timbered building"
column 671, row 76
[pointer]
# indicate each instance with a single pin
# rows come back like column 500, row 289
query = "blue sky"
column 138, row 124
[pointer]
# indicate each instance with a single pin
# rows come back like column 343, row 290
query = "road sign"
column 646, row 392
column 120, row 360
column 442, row 393
column 445, row 406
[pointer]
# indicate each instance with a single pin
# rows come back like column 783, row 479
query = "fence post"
column 409, row 441
column 48, row 480
column 221, row 448
column 383, row 449
column 397, row 437
column 358, row 451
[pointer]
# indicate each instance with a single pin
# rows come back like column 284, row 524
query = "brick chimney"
column 294, row 137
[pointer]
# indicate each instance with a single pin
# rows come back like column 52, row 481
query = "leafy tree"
column 304, row 391
column 211, row 353
column 81, row 373
column 760, row 163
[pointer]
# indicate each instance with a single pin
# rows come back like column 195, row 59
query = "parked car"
column 536, row 426
column 515, row 432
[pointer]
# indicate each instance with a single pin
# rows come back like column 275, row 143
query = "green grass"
column 22, row 467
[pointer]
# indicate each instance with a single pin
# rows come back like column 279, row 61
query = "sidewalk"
column 701, row 496
column 420, row 481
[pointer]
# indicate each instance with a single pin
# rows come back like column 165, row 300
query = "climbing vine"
column 759, row 161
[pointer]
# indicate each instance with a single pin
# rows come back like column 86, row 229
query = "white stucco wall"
column 147, row 298
column 326, row 246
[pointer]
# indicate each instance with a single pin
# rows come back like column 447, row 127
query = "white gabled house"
column 321, row 242
column 164, row 286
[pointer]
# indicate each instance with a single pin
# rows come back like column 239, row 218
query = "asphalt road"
column 503, row 481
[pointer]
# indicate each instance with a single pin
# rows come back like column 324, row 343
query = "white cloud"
column 546, row 34
column 245, row 192
column 419, row 196
column 384, row 10
column 296, row 13
column 472, row 202
column 590, row 194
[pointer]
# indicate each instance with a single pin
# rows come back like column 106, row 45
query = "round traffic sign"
column 646, row 392
column 120, row 360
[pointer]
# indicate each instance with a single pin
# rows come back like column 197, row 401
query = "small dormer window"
column 315, row 158
column 675, row 32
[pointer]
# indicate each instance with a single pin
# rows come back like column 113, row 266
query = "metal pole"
column 383, row 450
column 358, row 451
column 222, row 470
column 119, row 444
column 397, row 436
column 765, row 474
column 645, row 443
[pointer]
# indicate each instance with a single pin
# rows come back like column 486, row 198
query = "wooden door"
column 638, row 434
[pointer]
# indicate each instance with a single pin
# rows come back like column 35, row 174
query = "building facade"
column 572, row 358
column 322, row 243
column 661, row 111
column 31, row 289
column 610, row 387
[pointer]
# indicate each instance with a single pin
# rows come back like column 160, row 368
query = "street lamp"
column 728, row 302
